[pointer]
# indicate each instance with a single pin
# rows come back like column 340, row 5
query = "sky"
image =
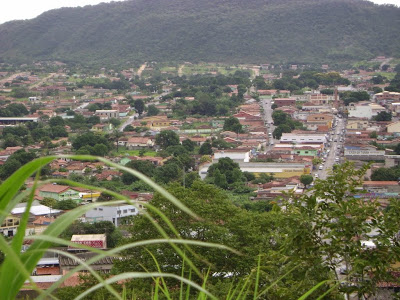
column 28, row 9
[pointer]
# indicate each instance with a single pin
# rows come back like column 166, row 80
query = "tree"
column 168, row 173
column 99, row 150
column 152, row 110
column 383, row 116
column 206, row 149
column 129, row 128
column 143, row 166
column 139, row 106
column 56, row 121
column 335, row 228
column 373, row 135
column 189, row 145
column 306, row 179
column 66, row 204
column 115, row 122
column 167, row 138
column 230, row 171
column 50, row 202
column 232, row 124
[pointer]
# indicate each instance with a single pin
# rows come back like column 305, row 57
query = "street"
column 333, row 148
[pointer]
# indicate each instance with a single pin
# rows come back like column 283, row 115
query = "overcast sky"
column 28, row 9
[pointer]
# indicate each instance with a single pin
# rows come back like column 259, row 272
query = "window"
column 100, row 209
column 118, row 212
column 125, row 211
column 132, row 210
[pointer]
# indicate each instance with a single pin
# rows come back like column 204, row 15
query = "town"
column 261, row 133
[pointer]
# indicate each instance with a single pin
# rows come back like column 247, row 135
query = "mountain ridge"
column 205, row 30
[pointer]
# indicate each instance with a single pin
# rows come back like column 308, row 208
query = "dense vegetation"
column 191, row 30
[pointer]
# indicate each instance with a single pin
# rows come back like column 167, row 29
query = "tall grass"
column 17, row 267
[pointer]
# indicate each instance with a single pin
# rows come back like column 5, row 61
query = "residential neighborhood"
column 276, row 133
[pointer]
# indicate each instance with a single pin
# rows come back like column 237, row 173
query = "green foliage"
column 152, row 110
column 143, row 166
column 15, row 161
column 350, row 97
column 65, row 204
column 189, row 145
column 361, row 26
column 96, row 228
column 14, row 110
column 284, row 123
column 167, row 138
column 225, row 173
column 383, row 116
column 91, row 143
column 386, row 174
column 206, row 149
column 233, row 124
column 306, row 179
column 139, row 106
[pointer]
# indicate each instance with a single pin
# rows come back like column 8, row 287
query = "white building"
column 111, row 213
column 303, row 138
column 242, row 155
column 364, row 110
column 106, row 114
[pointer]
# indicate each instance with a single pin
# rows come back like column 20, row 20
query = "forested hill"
column 207, row 30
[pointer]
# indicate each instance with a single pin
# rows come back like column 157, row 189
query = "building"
column 9, row 226
column 98, row 241
column 364, row 109
column 59, row 192
column 285, row 102
column 393, row 127
column 237, row 154
column 106, row 114
column 303, row 138
column 139, row 142
column 113, row 213
column 385, row 96
column 363, row 153
column 315, row 120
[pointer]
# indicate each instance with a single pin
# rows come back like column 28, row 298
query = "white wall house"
column 111, row 213
column 364, row 110
column 301, row 138
column 234, row 154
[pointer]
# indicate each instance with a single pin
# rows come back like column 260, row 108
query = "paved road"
column 335, row 149
column 266, row 104
column 127, row 122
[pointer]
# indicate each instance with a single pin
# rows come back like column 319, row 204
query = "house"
column 9, row 226
column 238, row 154
column 102, row 127
column 303, row 138
column 362, row 152
column 139, row 142
column 385, row 96
column 58, row 192
column 364, row 109
column 98, row 241
column 357, row 124
column 113, row 213
column 393, row 127
column 314, row 120
column 285, row 102
column 106, row 114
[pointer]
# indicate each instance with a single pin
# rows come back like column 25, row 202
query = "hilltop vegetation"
column 189, row 30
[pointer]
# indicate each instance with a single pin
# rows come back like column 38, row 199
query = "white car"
column 316, row 175
column 320, row 167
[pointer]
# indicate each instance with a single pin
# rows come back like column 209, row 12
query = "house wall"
column 111, row 213
column 360, row 112
column 302, row 139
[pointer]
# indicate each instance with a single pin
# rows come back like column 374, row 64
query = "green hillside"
column 207, row 30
